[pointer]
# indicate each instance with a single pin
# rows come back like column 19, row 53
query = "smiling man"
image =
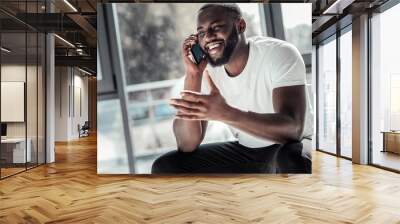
column 254, row 85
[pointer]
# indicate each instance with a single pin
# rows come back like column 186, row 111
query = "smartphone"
column 197, row 53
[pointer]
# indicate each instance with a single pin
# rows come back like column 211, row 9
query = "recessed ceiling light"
column 5, row 50
column 70, row 5
column 65, row 41
column 84, row 71
column 338, row 6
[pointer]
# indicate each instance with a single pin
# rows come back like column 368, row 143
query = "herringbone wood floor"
column 70, row 191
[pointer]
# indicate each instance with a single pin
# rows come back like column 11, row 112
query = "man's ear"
column 242, row 26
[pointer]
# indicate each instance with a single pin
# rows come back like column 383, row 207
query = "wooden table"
column 391, row 141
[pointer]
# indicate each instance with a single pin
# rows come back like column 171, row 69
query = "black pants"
column 231, row 157
column 224, row 157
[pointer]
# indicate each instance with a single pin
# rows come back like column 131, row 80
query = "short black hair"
column 232, row 8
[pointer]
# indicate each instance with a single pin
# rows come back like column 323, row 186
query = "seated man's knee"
column 290, row 159
column 167, row 163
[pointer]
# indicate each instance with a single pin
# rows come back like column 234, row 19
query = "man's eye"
column 201, row 34
column 216, row 28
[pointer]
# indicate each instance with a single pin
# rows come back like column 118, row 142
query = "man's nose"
column 210, row 35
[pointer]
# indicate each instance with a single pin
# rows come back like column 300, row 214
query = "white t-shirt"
column 272, row 63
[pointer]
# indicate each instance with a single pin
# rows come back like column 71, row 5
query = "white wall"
column 61, row 103
column 71, row 94
column 80, row 115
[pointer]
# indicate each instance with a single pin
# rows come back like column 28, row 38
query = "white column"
column 50, row 99
column 360, row 90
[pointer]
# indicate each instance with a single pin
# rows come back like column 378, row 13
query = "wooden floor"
column 10, row 171
column 388, row 159
column 70, row 191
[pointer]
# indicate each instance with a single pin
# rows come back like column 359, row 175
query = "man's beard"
column 230, row 45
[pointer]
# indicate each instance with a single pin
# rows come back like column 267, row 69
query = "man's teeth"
column 212, row 46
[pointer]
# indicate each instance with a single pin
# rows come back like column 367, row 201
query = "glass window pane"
column 31, row 100
column 327, row 96
column 251, row 14
column 14, row 153
column 161, row 36
column 22, row 82
column 346, row 94
column 385, row 88
column 297, row 25
column 111, row 149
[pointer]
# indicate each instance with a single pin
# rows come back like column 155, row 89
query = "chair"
column 84, row 130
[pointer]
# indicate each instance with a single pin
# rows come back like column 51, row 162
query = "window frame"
column 333, row 37
column 381, row 9
column 114, row 72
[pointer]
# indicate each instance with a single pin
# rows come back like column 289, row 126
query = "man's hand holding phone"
column 193, row 56
column 189, row 133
